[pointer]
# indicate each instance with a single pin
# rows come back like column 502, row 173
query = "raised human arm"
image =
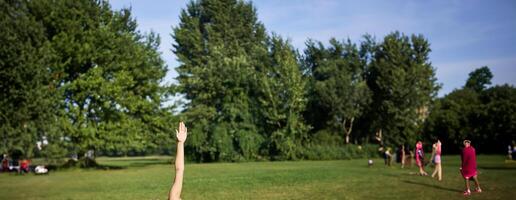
column 175, row 191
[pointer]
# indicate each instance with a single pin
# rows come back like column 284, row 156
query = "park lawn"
column 151, row 177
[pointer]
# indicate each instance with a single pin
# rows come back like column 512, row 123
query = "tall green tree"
column 108, row 76
column 338, row 83
column 220, row 44
column 479, row 79
column 403, row 83
column 282, row 101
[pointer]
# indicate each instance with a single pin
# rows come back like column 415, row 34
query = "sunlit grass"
column 151, row 177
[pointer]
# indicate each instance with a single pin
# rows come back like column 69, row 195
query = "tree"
column 453, row 119
column 482, row 115
column 282, row 100
column 338, row 82
column 220, row 45
column 498, row 119
column 403, row 83
column 107, row 76
column 26, row 98
column 479, row 79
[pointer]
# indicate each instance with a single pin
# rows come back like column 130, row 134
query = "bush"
column 249, row 144
column 327, row 138
column 334, row 152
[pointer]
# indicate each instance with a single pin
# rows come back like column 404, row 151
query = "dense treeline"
column 485, row 115
column 78, row 76
column 251, row 95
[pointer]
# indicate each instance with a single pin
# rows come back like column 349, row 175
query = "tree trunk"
column 347, row 129
column 379, row 137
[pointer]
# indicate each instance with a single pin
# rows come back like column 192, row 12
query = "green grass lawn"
column 151, row 177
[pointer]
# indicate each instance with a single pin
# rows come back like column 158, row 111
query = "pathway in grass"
column 150, row 178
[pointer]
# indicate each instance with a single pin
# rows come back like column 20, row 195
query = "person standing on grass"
column 175, row 191
column 420, row 158
column 5, row 163
column 401, row 155
column 469, row 167
column 437, row 160
column 388, row 156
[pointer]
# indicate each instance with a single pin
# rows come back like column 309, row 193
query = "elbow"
column 180, row 169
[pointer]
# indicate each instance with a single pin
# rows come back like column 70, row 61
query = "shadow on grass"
column 127, row 163
column 109, row 167
column 433, row 186
column 497, row 167
column 115, row 164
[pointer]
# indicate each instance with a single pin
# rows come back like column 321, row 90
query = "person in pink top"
column 420, row 158
column 437, row 160
column 469, row 167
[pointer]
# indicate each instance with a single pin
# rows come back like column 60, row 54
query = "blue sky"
column 464, row 34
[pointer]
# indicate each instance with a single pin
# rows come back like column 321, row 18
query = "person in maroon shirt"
column 469, row 167
column 5, row 164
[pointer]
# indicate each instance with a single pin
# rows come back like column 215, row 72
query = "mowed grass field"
column 151, row 178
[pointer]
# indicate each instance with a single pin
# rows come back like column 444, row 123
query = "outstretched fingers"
column 181, row 132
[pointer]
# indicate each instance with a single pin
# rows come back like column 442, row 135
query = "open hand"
column 181, row 132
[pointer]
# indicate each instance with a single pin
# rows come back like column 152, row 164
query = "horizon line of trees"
column 78, row 76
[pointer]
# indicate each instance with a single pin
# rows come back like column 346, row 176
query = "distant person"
column 24, row 166
column 175, row 191
column 5, row 163
column 387, row 156
column 401, row 156
column 469, row 167
column 420, row 158
column 437, row 160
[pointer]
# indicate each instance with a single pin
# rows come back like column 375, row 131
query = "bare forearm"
column 175, row 191
column 181, row 134
column 180, row 156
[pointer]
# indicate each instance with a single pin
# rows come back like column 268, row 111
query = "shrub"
column 334, row 152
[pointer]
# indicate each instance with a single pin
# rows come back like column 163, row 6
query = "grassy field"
column 150, row 178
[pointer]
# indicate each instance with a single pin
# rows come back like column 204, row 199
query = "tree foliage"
column 26, row 95
column 220, row 45
column 479, row 79
column 103, row 75
column 77, row 76
column 483, row 115
column 244, row 87
column 403, row 84
column 338, row 87
column 282, row 100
